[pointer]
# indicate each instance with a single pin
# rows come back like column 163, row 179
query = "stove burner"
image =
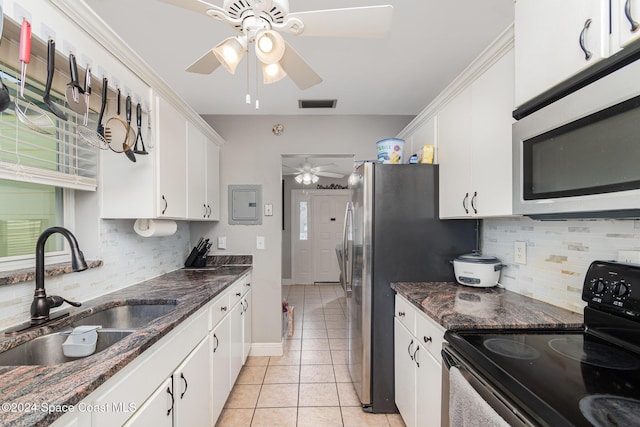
column 510, row 348
column 604, row 410
column 595, row 354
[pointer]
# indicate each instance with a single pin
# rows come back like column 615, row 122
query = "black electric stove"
column 570, row 377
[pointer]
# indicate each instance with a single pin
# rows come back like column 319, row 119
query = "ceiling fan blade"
column 330, row 174
column 206, row 64
column 198, row 6
column 300, row 72
column 368, row 21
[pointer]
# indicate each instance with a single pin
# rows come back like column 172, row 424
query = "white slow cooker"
column 480, row 271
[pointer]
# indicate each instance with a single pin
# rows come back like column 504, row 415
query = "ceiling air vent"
column 317, row 103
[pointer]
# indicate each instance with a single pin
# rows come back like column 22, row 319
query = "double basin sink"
column 116, row 323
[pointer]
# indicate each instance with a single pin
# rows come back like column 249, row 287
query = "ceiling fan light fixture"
column 270, row 46
column 230, row 52
column 272, row 73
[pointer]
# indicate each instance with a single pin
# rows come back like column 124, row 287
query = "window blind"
column 61, row 159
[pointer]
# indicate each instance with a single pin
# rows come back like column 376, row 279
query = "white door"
column 328, row 220
column 301, row 256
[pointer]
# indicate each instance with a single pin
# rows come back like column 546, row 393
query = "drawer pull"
column 401, row 314
column 223, row 308
column 427, row 339
column 238, row 294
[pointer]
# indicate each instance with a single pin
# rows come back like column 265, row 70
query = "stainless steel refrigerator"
column 392, row 233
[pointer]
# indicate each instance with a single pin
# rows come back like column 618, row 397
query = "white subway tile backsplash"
column 558, row 253
column 127, row 259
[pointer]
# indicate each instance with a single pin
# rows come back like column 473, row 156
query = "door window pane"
column 303, row 221
column 25, row 211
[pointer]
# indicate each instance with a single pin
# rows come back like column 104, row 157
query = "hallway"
column 309, row 386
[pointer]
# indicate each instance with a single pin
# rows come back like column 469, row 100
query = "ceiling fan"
column 308, row 174
column 262, row 21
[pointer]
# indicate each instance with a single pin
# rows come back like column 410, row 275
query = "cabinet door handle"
column 172, row 401
column 587, row 53
column 205, row 211
column 427, row 339
column 464, row 203
column 627, row 13
column 166, row 205
column 401, row 314
column 217, row 343
column 209, row 214
column 415, row 356
column 409, row 349
column 473, row 202
column 186, row 385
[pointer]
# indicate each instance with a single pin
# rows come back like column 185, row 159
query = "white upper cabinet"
column 555, row 40
column 171, row 197
column 474, row 137
column 213, row 181
column 625, row 21
column 196, row 173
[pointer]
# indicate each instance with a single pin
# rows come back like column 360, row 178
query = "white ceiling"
column 431, row 41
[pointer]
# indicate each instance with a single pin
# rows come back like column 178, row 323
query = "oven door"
column 481, row 389
column 578, row 156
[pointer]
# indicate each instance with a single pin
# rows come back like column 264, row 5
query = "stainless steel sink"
column 47, row 350
column 133, row 316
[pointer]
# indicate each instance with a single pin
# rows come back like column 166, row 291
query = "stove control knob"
column 598, row 286
column 620, row 289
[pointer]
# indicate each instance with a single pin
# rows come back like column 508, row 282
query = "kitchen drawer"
column 236, row 292
column 246, row 285
column 406, row 314
column 430, row 334
column 218, row 309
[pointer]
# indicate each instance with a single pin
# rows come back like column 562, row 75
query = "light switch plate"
column 259, row 242
column 222, row 242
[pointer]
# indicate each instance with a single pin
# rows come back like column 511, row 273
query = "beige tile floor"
column 308, row 386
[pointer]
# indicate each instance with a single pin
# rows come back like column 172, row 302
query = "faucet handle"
column 56, row 301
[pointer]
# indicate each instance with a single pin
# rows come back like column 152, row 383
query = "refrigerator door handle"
column 346, row 254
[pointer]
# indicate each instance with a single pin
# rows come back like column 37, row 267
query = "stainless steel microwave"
column 579, row 157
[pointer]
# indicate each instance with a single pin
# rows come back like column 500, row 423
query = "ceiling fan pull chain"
column 257, row 100
column 248, row 97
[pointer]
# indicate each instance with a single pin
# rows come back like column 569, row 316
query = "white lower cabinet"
column 183, row 398
column 418, row 369
column 185, row 378
column 157, row 410
column 220, row 379
column 192, row 388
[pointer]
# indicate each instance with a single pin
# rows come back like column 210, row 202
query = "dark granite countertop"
column 69, row 383
column 462, row 307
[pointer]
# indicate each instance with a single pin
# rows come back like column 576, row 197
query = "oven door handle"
column 448, row 360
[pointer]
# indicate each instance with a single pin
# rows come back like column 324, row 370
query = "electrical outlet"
column 520, row 252
column 632, row 257
column 259, row 242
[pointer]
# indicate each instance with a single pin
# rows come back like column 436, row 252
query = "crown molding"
column 496, row 50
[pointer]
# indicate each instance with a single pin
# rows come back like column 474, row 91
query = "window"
column 303, row 221
column 26, row 210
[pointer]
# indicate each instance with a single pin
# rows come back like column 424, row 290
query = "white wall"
column 558, row 253
column 252, row 155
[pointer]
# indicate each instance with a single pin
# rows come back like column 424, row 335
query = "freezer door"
column 359, row 299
